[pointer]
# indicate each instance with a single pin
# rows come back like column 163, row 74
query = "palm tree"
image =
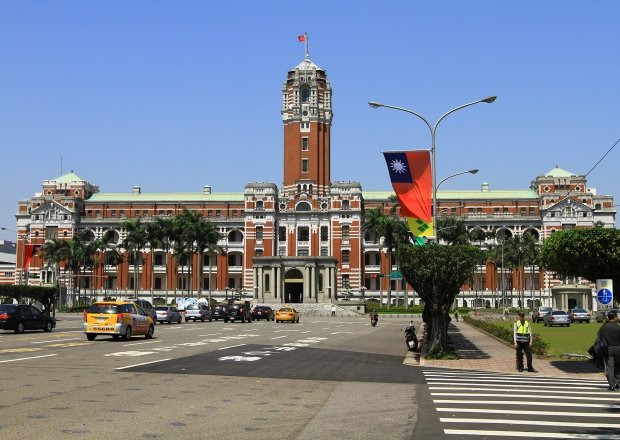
column 154, row 236
column 166, row 226
column 394, row 232
column 135, row 239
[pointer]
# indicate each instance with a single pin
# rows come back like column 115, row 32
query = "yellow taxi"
column 119, row 319
column 287, row 314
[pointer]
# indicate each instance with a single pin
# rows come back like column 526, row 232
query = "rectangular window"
column 345, row 233
column 282, row 233
column 218, row 213
column 345, row 281
column 114, row 213
column 324, row 252
column 324, row 233
column 51, row 233
column 258, row 252
column 303, row 233
column 522, row 210
column 453, row 211
column 266, row 287
column 304, row 165
column 532, row 211
column 259, row 233
column 157, row 283
column 159, row 260
column 304, row 144
column 346, row 255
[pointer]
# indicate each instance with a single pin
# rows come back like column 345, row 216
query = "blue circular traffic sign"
column 604, row 296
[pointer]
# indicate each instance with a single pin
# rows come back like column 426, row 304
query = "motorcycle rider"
column 374, row 316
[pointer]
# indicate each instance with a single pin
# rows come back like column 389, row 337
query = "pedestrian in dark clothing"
column 523, row 342
column 610, row 332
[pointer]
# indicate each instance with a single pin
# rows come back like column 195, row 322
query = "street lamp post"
column 433, row 130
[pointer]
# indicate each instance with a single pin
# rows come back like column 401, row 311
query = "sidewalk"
column 478, row 351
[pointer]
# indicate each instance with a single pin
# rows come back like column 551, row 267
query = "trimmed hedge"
column 539, row 346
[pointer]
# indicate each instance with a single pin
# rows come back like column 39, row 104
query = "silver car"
column 198, row 311
column 556, row 317
column 579, row 315
column 168, row 314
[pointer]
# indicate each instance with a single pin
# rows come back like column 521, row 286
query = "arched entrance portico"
column 293, row 286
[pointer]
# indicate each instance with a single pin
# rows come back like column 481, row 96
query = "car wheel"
column 19, row 328
column 567, row 325
column 180, row 320
column 186, row 319
column 169, row 321
column 149, row 334
column 210, row 319
column 48, row 327
column 127, row 335
column 298, row 320
column 202, row 318
column 91, row 336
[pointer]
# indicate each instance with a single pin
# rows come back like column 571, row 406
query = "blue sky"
column 173, row 95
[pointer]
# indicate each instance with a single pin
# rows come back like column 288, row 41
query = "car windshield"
column 7, row 308
column 162, row 309
column 109, row 309
column 545, row 309
column 192, row 307
column 579, row 311
column 558, row 312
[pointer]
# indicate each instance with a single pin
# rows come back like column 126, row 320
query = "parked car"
column 287, row 314
column 117, row 319
column 20, row 317
column 602, row 314
column 168, row 314
column 198, row 311
column 556, row 317
column 579, row 315
column 263, row 312
column 145, row 305
column 239, row 311
column 219, row 311
column 539, row 314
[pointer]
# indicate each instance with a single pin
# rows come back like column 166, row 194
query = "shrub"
column 538, row 345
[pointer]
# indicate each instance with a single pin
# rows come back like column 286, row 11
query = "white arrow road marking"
column 240, row 358
column 25, row 359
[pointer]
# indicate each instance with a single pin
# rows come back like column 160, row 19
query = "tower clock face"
column 304, row 113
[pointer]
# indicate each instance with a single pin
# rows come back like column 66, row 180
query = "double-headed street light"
column 433, row 129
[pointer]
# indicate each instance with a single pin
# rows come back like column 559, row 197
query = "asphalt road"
column 320, row 379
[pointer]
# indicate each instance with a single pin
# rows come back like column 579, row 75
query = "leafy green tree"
column 589, row 253
column 167, row 230
column 452, row 230
column 437, row 273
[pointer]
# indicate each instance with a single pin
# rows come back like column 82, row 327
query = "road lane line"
column 505, row 422
column 279, row 337
column 28, row 358
column 144, row 363
column 516, row 402
column 527, row 412
column 536, row 434
column 56, row 340
column 232, row 346
column 527, row 396
column 511, row 389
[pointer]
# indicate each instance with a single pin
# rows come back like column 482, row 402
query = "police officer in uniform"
column 523, row 342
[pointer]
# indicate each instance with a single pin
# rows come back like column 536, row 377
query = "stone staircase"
column 314, row 309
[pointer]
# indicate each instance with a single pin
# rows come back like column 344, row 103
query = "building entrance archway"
column 293, row 286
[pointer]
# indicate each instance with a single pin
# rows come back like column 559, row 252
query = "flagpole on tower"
column 304, row 39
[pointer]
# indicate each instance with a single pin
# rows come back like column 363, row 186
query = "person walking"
column 333, row 309
column 523, row 342
column 610, row 332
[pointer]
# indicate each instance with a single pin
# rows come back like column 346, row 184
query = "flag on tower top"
column 301, row 38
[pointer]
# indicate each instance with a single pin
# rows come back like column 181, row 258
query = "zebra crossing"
column 476, row 405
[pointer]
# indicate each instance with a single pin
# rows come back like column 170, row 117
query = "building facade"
column 304, row 241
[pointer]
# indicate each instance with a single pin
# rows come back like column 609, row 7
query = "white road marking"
column 25, row 359
column 130, row 353
column 240, row 358
column 511, row 390
column 56, row 340
column 516, row 402
column 232, row 346
column 527, row 396
column 530, row 422
column 279, row 337
column 139, row 343
column 536, row 434
column 527, row 412
column 144, row 363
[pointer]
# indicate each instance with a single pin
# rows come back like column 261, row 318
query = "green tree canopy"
column 589, row 253
column 437, row 273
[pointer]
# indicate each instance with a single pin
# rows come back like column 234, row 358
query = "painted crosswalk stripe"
column 561, row 390
column 527, row 412
column 516, row 402
column 534, row 434
column 529, row 422
column 518, row 396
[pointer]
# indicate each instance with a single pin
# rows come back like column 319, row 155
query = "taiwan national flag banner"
column 412, row 180
column 30, row 250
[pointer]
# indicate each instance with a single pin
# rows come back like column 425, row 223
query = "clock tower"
column 307, row 117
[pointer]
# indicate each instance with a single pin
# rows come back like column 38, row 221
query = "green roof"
column 559, row 172
column 167, row 197
column 463, row 194
column 68, row 178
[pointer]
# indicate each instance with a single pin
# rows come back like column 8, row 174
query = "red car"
column 263, row 312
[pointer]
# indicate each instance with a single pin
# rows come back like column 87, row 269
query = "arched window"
column 303, row 206
column 569, row 211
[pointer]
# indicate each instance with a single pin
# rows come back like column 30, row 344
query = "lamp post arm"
column 456, row 109
column 406, row 110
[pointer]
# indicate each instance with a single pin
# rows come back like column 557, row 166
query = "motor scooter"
column 373, row 320
column 411, row 340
